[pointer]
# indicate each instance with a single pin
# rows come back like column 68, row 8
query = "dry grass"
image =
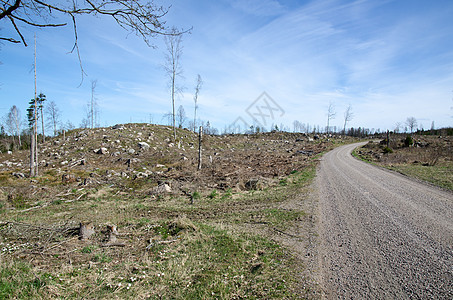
column 429, row 159
column 173, row 250
column 221, row 246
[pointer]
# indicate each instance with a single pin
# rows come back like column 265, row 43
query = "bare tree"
column 92, row 109
column 145, row 19
column 411, row 122
column 181, row 116
column 195, row 99
column 13, row 123
column 348, row 115
column 53, row 116
column 330, row 115
column 173, row 67
column 398, row 127
column 33, row 119
column 168, row 118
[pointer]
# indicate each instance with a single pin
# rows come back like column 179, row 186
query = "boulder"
column 68, row 178
column 143, row 145
column 259, row 183
column 161, row 189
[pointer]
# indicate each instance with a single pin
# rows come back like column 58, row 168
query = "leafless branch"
column 10, row 40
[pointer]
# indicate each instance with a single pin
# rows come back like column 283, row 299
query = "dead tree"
column 200, row 146
column 53, row 116
column 13, row 123
column 330, row 115
column 348, row 115
column 173, row 68
column 195, row 99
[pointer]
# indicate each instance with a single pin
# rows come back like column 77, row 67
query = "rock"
column 118, row 126
column 161, row 189
column 101, row 151
column 87, row 181
column 131, row 151
column 143, row 145
column 305, row 152
column 256, row 184
column 68, row 178
column 141, row 175
column 10, row 152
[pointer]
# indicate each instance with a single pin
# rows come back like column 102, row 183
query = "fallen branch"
column 152, row 244
column 282, row 232
column 59, row 244
column 35, row 207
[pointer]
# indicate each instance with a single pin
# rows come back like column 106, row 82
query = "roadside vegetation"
column 424, row 157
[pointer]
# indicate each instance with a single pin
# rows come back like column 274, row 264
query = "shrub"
column 213, row 194
column 408, row 141
column 387, row 150
column 196, row 196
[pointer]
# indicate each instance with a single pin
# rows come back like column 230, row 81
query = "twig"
column 35, row 207
column 288, row 234
column 58, row 244
column 159, row 243
column 78, row 198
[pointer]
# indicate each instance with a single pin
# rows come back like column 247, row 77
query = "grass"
column 221, row 246
column 438, row 175
column 204, row 264
column 173, row 250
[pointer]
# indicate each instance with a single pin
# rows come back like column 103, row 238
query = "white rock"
column 143, row 145
column 161, row 189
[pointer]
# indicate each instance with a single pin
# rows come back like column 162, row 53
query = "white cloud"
column 259, row 7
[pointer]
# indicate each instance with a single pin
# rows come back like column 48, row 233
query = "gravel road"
column 382, row 235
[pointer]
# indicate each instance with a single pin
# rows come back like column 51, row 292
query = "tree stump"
column 112, row 239
column 86, row 230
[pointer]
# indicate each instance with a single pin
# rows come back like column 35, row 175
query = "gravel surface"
column 382, row 235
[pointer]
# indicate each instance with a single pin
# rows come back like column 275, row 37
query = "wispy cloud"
column 392, row 58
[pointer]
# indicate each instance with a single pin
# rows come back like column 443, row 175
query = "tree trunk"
column 86, row 230
column 32, row 155
column 200, row 147
column 173, row 104
column 42, row 124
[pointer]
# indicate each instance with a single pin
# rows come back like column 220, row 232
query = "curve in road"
column 382, row 235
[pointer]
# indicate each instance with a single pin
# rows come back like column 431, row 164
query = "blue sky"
column 389, row 60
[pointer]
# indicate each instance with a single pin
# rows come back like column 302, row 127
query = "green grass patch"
column 438, row 175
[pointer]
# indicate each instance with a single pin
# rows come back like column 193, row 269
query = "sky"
column 262, row 62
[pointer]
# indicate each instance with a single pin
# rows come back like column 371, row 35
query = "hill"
column 122, row 212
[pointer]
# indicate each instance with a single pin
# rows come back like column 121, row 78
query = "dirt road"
column 382, row 235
